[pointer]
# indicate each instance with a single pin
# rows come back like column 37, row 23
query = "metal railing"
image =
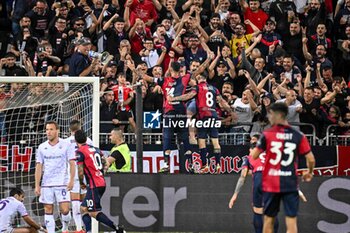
column 239, row 138
column 333, row 137
column 310, row 136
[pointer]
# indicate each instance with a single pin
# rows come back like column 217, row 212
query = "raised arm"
column 95, row 22
column 203, row 33
column 204, row 65
column 157, row 5
column 223, row 103
column 306, row 53
column 252, row 87
column 254, row 27
column 232, row 68
column 263, row 82
column 244, row 5
column 252, row 103
column 187, row 5
column 318, row 75
column 213, row 64
column 127, row 13
column 173, row 14
column 162, row 56
column 308, row 76
column 330, row 97
column 109, row 22
column 175, row 43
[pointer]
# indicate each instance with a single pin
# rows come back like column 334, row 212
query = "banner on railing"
column 330, row 160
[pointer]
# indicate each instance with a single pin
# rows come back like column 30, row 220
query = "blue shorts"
column 169, row 129
column 203, row 132
column 191, row 106
column 92, row 199
column 257, row 190
column 272, row 203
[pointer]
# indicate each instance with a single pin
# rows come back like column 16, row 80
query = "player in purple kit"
column 256, row 166
column 283, row 145
column 91, row 163
column 206, row 98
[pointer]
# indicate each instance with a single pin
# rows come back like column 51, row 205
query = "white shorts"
column 51, row 194
column 76, row 188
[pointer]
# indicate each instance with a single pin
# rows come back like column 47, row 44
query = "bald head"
column 291, row 96
column 116, row 136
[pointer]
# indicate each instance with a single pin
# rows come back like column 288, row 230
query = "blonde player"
column 76, row 194
column 51, row 165
column 9, row 207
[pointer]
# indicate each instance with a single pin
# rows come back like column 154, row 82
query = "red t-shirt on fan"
column 121, row 94
column 283, row 146
column 258, row 19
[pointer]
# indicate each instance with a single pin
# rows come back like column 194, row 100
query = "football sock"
column 188, row 155
column 65, row 221
column 76, row 214
column 258, row 223
column 87, row 222
column 217, row 154
column 50, row 223
column 101, row 217
column 203, row 154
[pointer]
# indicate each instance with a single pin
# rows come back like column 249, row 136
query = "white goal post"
column 90, row 81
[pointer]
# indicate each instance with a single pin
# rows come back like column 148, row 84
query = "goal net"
column 25, row 105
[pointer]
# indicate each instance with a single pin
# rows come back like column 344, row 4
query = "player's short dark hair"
column 281, row 108
column 74, row 125
column 52, row 123
column 80, row 136
column 17, row 191
column 176, row 66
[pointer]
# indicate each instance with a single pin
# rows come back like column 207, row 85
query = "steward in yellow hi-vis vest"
column 120, row 157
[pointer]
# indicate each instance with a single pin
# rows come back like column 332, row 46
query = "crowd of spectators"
column 255, row 52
